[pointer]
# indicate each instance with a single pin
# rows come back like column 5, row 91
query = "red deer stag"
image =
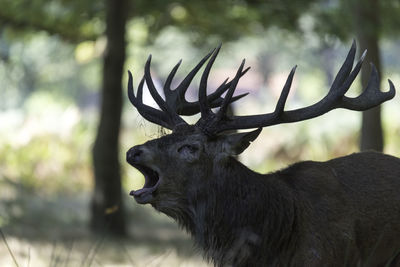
column 342, row 212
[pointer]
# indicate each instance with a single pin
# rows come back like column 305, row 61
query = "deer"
column 341, row 212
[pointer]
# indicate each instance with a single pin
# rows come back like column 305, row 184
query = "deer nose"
column 133, row 154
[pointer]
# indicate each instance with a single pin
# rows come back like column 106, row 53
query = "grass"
column 8, row 247
column 40, row 230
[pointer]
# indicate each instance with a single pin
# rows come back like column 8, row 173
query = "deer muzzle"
column 136, row 156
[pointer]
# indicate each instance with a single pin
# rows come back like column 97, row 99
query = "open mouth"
column 152, row 180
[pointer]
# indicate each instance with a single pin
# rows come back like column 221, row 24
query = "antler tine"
column 149, row 113
column 150, row 84
column 280, row 106
column 341, row 90
column 371, row 94
column 229, row 94
column 222, row 88
column 345, row 69
column 167, row 85
column 184, row 85
column 174, row 117
column 204, row 106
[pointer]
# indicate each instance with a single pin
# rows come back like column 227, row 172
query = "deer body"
column 310, row 214
column 343, row 212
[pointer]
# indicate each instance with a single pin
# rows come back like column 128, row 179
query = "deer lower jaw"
column 152, row 180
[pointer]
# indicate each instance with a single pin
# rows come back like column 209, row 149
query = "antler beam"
column 371, row 96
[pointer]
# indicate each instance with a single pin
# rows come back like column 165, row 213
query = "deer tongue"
column 152, row 180
column 142, row 196
column 143, row 191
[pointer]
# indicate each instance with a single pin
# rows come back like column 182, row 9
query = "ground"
column 43, row 230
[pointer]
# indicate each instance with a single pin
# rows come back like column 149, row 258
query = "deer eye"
column 188, row 149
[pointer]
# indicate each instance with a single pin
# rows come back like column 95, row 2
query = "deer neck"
column 237, row 208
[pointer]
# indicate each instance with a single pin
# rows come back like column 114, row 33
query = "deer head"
column 192, row 154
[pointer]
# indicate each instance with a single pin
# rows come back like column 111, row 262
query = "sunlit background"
column 50, row 92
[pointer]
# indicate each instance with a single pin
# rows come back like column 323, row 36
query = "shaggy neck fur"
column 238, row 216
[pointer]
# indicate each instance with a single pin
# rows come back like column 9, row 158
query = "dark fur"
column 342, row 212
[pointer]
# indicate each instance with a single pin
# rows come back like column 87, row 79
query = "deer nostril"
column 133, row 154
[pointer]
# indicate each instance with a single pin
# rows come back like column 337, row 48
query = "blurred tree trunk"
column 367, row 26
column 107, row 207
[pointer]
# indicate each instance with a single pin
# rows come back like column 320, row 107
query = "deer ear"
column 235, row 144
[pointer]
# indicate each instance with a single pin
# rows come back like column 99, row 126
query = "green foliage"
column 72, row 20
column 44, row 63
column 46, row 164
column 203, row 21
column 336, row 18
column 48, row 149
column 221, row 20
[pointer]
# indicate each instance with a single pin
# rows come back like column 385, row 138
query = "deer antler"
column 212, row 124
column 175, row 103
